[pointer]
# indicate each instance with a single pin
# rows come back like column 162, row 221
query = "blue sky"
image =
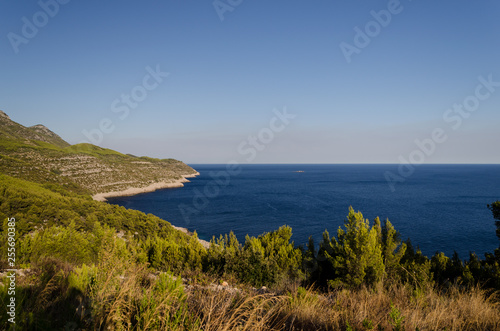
column 225, row 77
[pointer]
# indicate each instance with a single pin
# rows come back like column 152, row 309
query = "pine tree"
column 495, row 209
column 441, row 267
column 310, row 262
column 356, row 253
column 392, row 249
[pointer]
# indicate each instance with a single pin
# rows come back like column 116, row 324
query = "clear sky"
column 357, row 97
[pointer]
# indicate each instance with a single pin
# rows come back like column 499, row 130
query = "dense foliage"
column 267, row 259
column 76, row 247
column 57, row 223
column 54, row 222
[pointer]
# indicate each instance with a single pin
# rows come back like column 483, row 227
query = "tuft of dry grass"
column 223, row 310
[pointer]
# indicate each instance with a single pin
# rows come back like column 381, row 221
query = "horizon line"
column 340, row 163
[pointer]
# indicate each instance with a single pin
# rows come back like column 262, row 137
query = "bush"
column 265, row 260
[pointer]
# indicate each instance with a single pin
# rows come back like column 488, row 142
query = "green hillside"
column 37, row 154
column 10, row 130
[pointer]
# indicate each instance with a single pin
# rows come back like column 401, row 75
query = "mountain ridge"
column 29, row 135
column 38, row 154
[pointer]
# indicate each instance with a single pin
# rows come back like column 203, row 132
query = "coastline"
column 150, row 188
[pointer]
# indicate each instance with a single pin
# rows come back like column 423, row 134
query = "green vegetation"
column 37, row 154
column 268, row 259
column 495, row 209
column 88, row 265
column 13, row 131
column 115, row 267
column 355, row 255
column 55, row 221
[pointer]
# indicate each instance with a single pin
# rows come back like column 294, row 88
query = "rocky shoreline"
column 150, row 188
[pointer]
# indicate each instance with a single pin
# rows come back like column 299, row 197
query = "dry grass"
column 126, row 296
column 362, row 309
column 223, row 310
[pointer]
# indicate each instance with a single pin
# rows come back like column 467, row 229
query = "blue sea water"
column 439, row 207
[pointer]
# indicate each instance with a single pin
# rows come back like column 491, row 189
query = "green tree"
column 223, row 254
column 264, row 260
column 416, row 267
column 325, row 270
column 310, row 262
column 393, row 249
column 441, row 268
column 356, row 253
column 273, row 256
column 194, row 253
column 495, row 209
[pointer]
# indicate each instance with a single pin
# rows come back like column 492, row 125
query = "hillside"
column 11, row 130
column 38, row 154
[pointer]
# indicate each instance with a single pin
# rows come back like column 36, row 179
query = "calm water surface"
column 439, row 207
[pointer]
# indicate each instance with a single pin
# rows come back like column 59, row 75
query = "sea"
column 441, row 208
